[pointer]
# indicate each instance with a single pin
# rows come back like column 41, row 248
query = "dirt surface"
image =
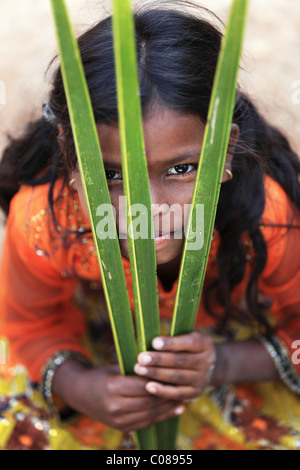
column 271, row 65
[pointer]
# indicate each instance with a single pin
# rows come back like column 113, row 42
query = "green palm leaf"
column 96, row 190
column 135, row 176
column 95, row 185
column 136, row 181
column 209, row 176
column 210, row 171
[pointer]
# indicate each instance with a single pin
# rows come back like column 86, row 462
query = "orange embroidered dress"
column 42, row 311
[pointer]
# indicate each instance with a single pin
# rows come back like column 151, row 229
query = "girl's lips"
column 162, row 240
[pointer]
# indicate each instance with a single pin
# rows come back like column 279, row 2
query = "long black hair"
column 177, row 57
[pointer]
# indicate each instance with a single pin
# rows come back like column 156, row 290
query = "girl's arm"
column 243, row 361
column 37, row 315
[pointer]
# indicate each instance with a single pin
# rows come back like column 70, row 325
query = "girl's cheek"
column 124, row 248
column 121, row 219
column 83, row 202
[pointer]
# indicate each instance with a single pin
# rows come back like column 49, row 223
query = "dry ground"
column 271, row 58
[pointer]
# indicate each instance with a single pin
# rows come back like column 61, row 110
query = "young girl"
column 235, row 379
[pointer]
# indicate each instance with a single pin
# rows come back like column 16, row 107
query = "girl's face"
column 173, row 144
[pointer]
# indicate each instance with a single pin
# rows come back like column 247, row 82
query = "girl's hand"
column 121, row 402
column 181, row 367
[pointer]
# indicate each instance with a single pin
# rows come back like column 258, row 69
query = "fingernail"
column 151, row 388
column 145, row 359
column 179, row 410
column 158, row 343
column 142, row 370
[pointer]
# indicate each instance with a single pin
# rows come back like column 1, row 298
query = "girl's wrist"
column 60, row 378
column 242, row 361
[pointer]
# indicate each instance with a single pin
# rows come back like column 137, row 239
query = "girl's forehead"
column 167, row 134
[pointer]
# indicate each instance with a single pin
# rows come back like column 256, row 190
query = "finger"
column 193, row 342
column 126, row 405
column 166, row 359
column 127, row 386
column 178, row 393
column 171, row 376
column 146, row 418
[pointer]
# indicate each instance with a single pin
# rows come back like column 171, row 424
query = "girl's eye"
column 113, row 175
column 182, row 169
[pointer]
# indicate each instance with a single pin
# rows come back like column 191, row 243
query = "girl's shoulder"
column 41, row 224
column 279, row 225
column 32, row 204
column 279, row 211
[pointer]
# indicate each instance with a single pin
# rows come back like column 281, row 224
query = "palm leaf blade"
column 135, row 174
column 209, row 177
column 136, row 185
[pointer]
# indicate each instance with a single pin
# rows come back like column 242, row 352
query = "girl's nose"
column 159, row 204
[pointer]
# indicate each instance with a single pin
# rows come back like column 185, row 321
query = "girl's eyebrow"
column 194, row 154
column 112, row 165
column 185, row 157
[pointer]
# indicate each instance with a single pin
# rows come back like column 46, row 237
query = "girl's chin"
column 166, row 250
column 164, row 258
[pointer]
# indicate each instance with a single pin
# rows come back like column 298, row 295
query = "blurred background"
column 270, row 67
